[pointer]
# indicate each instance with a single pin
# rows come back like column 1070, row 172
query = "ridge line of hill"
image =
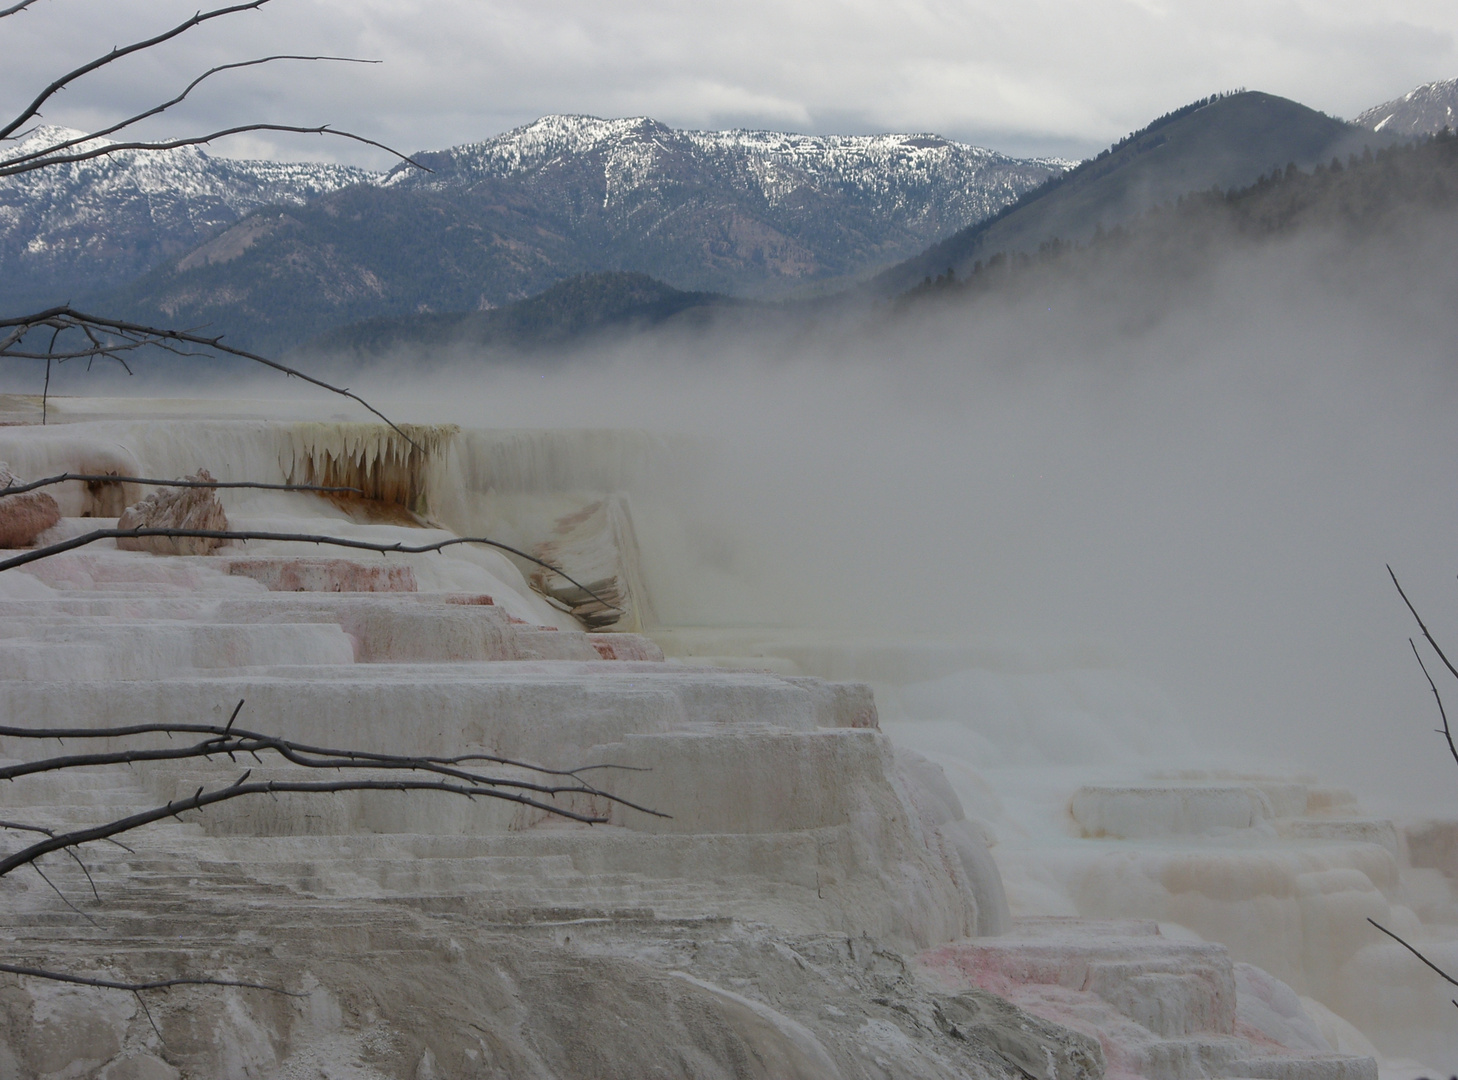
column 1357, row 196
column 1224, row 141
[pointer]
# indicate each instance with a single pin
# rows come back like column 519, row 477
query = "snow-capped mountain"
column 919, row 182
column 93, row 224
column 1424, row 111
column 279, row 252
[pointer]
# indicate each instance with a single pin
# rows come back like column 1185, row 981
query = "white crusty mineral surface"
column 176, row 508
column 841, row 859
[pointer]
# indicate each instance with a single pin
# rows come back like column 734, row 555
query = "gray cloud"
column 1050, row 76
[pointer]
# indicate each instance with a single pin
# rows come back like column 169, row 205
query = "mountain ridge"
column 1224, row 141
column 1425, row 110
column 75, row 229
column 571, row 309
column 741, row 212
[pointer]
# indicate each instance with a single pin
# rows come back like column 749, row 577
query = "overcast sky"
column 1024, row 76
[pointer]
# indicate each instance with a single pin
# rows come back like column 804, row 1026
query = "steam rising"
column 1202, row 479
column 1198, row 481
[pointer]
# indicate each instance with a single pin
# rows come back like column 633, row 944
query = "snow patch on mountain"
column 896, row 171
column 117, row 215
column 768, row 205
column 1424, row 111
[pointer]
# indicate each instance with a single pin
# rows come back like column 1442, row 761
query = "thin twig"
column 10, row 772
column 1423, row 626
column 36, row 867
column 111, row 478
column 109, row 149
column 21, row 827
column 1412, row 950
column 226, row 742
column 33, row 109
column 143, row 1003
column 202, row 799
column 136, row 987
column 137, row 335
column 89, row 880
column 46, row 387
column 1445, row 731
column 36, row 554
column 14, row 8
column 162, row 107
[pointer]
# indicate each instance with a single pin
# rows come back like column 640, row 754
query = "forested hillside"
column 1363, row 197
column 1224, row 141
column 569, row 310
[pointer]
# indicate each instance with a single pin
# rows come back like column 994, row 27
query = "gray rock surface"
column 25, row 516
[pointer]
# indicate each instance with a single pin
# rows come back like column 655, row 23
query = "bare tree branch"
column 15, row 8
column 135, row 987
column 1423, row 626
column 89, row 879
column 162, row 107
column 1445, row 730
column 216, row 746
column 64, row 898
column 105, row 478
column 33, row 109
column 202, row 140
column 19, row 826
column 202, row 798
column 230, row 741
column 135, row 336
column 227, row 741
column 1443, row 974
column 36, row 554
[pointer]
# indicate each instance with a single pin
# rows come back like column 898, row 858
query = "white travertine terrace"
column 924, row 889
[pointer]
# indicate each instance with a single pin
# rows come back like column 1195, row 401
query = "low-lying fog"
column 1204, row 478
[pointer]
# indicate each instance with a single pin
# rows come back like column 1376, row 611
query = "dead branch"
column 111, row 478
column 137, row 987
column 20, row 826
column 1441, row 973
column 14, row 8
column 64, row 898
column 1423, row 626
column 311, row 757
column 200, row 140
column 10, row 166
column 238, row 789
column 230, row 741
column 131, row 336
column 36, row 554
column 354, row 757
column 33, row 109
column 1445, row 730
column 56, row 154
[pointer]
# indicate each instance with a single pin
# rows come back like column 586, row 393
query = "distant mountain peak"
column 1226, row 140
column 73, row 229
column 742, row 211
column 156, row 169
column 550, row 139
column 1426, row 110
